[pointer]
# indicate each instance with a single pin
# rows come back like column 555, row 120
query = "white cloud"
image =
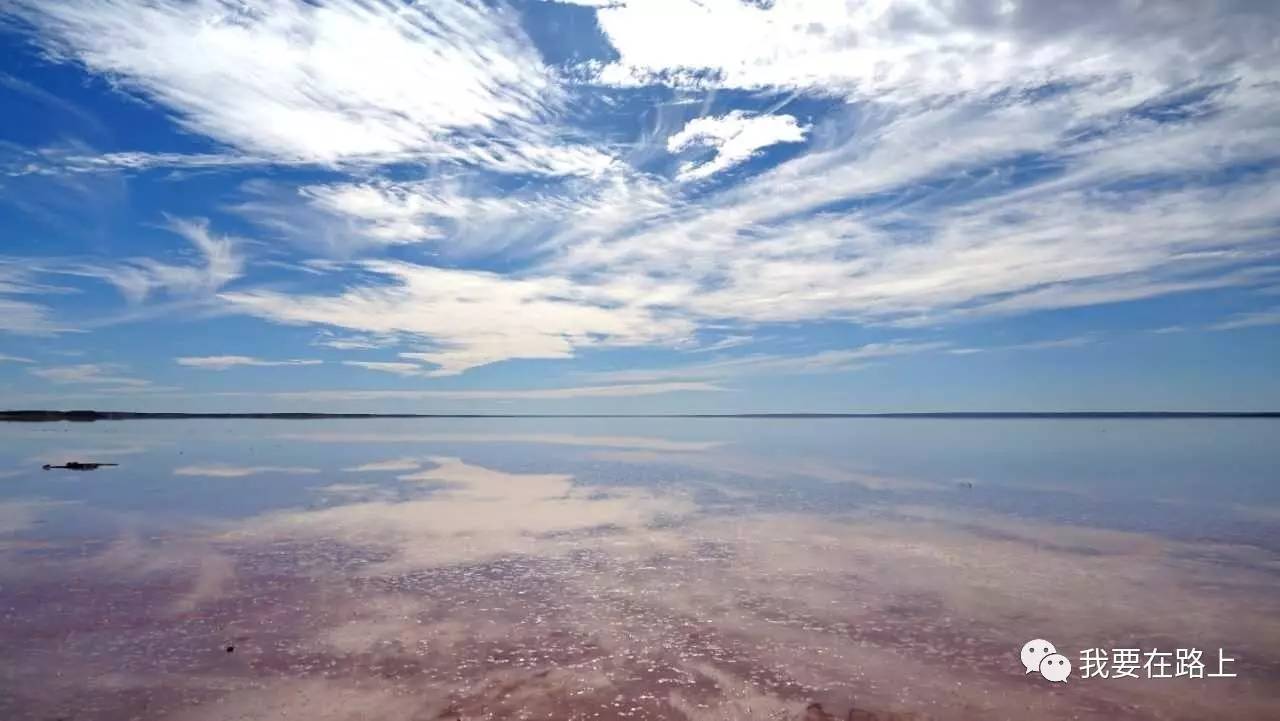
column 1249, row 320
column 754, row 255
column 55, row 160
column 400, row 369
column 460, row 214
column 736, row 138
column 829, row 361
column 394, row 464
column 393, row 213
column 223, row 362
column 952, row 102
column 410, row 212
column 25, row 317
column 757, row 253
column 350, row 342
column 328, row 82
column 87, row 373
column 522, row 318
column 1071, row 342
column 597, row 391
column 346, row 344
column 728, row 341
column 1255, row 319
column 137, row 279
column 14, row 359
column 984, row 159
column 904, row 49
column 222, row 264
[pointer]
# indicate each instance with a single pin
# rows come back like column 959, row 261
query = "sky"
column 656, row 206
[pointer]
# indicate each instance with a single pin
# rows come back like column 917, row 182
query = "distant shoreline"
column 45, row 416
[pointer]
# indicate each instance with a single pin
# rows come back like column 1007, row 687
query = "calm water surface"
column 634, row 568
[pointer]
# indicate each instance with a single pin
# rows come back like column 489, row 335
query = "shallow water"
column 634, row 568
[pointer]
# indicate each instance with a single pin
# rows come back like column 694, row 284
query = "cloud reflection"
column 560, row 439
column 220, row 470
column 454, row 589
column 467, row 512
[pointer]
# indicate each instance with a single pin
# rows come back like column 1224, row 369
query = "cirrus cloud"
column 522, row 318
column 736, row 137
column 328, row 82
column 103, row 374
column 946, row 162
column 223, row 362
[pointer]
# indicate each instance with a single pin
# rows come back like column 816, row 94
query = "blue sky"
column 658, row 206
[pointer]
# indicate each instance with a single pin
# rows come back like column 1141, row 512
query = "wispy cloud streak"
column 223, row 362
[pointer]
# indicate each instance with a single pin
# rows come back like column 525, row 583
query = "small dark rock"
column 77, row 466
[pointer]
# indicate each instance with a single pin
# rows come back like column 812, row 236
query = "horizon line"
column 91, row 415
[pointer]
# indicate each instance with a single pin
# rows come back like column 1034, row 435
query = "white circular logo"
column 1034, row 651
column 1055, row 667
